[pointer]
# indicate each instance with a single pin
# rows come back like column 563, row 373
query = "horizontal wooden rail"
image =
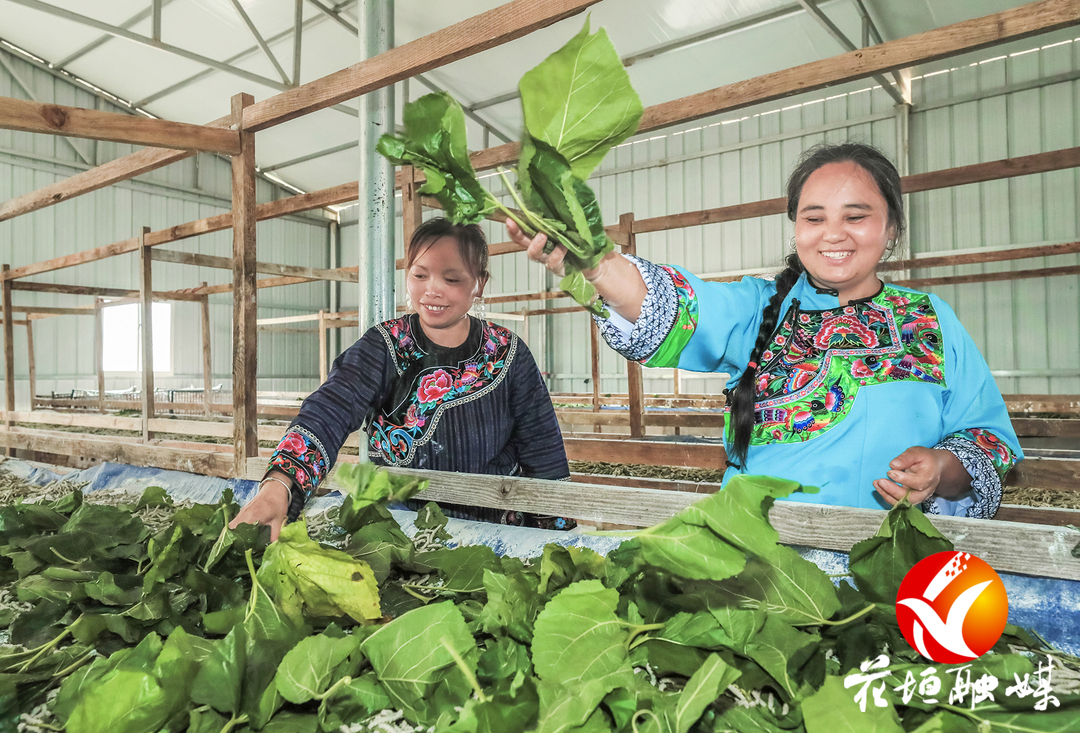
column 986, row 277
column 268, row 268
column 1025, row 403
column 650, row 419
column 975, row 258
column 1009, row 547
column 101, row 292
column 162, row 406
column 460, row 40
column 56, row 119
column 106, row 174
column 1029, row 427
column 205, row 462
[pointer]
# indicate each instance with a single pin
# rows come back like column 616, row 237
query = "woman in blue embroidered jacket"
column 436, row 389
column 841, row 381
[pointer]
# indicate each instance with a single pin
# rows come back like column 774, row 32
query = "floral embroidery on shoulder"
column 817, row 361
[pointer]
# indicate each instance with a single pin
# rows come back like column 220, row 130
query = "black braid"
column 742, row 397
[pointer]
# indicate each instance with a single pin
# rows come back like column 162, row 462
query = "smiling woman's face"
column 442, row 290
column 842, row 229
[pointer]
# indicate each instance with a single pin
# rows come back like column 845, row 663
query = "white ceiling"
column 214, row 29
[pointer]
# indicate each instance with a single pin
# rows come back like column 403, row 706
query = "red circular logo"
column 952, row 607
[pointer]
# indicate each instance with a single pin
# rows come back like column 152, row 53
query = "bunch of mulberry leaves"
column 702, row 623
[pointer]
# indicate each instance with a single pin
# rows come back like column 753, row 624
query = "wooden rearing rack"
column 234, row 135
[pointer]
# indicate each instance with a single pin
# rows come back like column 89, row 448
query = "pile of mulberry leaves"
column 702, row 623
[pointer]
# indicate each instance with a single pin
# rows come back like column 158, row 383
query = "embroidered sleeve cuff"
column 301, row 455
column 637, row 341
column 985, row 482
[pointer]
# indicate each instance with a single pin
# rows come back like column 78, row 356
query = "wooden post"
column 675, row 392
column 146, row 302
column 245, row 330
column 322, row 347
column 9, row 353
column 412, row 210
column 633, row 369
column 594, row 351
column 207, row 362
column 99, row 351
column 30, row 360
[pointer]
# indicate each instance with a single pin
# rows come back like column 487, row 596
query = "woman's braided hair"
column 742, row 397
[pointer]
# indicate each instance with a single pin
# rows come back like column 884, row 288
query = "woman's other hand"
column 270, row 507
column 925, row 472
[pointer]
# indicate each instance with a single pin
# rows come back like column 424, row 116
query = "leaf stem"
column 69, row 562
column 333, row 688
column 90, row 654
column 233, row 722
column 850, row 618
column 636, row 630
column 464, row 669
column 48, row 646
column 641, row 713
column 418, row 596
column 436, row 589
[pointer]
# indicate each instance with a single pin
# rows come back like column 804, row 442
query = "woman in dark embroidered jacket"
column 436, row 389
column 837, row 379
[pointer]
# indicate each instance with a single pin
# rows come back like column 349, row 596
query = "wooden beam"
column 1041, row 551
column 1029, row 427
column 202, row 462
column 1038, row 515
column 993, row 170
column 970, row 35
column 1058, row 474
column 79, row 258
column 9, row 349
column 1027, row 403
column 594, row 360
column 461, row 40
column 49, row 310
column 225, row 263
column 99, row 351
column 121, row 169
column 985, row 277
column 974, row 258
column 634, row 380
column 621, row 418
column 654, row 453
column 68, row 419
column 30, row 361
column 146, row 330
column 165, row 406
column 245, row 333
column 55, row 119
column 86, row 290
column 412, row 211
column 207, row 362
column 952, row 40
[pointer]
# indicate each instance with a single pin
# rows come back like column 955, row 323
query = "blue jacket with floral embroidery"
column 841, row 390
column 479, row 408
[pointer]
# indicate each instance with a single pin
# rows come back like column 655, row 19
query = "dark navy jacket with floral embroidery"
column 481, row 407
column 841, row 390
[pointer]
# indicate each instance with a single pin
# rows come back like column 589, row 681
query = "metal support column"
column 335, row 286
column 376, row 301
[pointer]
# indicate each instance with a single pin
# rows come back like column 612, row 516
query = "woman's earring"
column 408, row 303
column 791, row 244
column 478, row 308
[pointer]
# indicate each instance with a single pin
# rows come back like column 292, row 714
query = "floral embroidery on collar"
column 397, row 430
column 817, row 361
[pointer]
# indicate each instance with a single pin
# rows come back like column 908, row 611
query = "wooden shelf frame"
column 502, row 24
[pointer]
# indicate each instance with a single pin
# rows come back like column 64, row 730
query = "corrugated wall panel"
column 185, row 191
